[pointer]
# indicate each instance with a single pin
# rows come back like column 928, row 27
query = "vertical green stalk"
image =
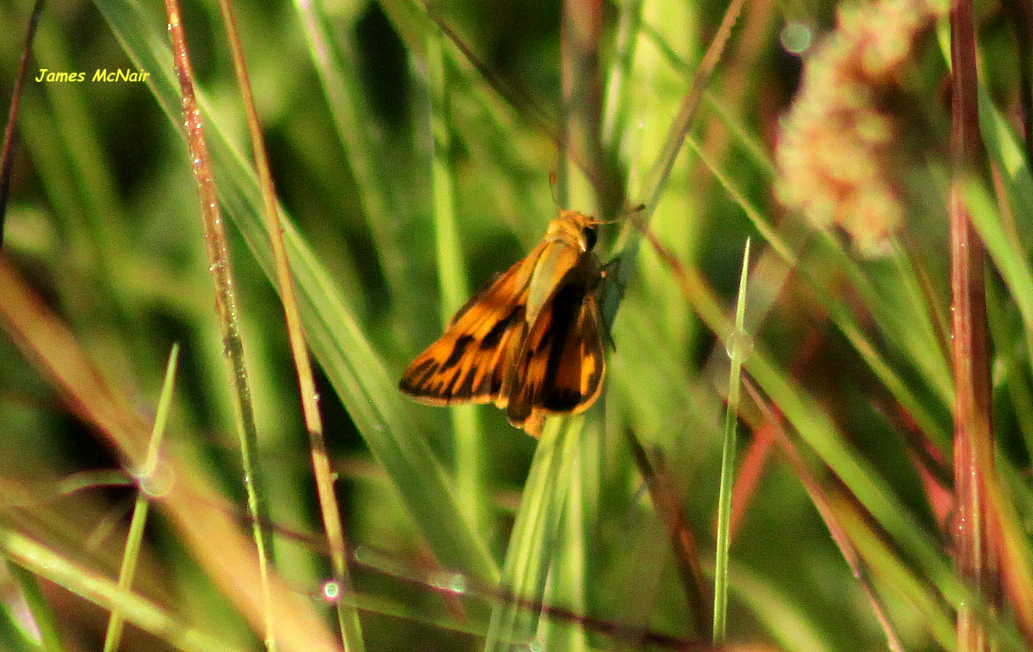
column 533, row 541
column 226, row 308
column 738, row 349
column 134, row 540
column 581, row 35
column 656, row 180
column 616, row 102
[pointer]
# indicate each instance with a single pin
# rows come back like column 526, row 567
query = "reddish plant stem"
column 8, row 149
column 973, row 433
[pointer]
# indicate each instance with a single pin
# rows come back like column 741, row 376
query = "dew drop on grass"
column 331, row 591
column 739, row 345
column 157, row 483
column 796, row 37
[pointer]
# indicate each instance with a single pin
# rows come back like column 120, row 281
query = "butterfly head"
column 575, row 229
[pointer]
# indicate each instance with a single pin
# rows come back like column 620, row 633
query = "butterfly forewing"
column 556, row 261
column 467, row 363
column 531, row 342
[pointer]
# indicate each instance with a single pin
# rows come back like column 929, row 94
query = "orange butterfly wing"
column 469, row 362
column 561, row 364
column 531, row 342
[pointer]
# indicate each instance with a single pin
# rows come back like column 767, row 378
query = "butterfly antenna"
column 631, row 212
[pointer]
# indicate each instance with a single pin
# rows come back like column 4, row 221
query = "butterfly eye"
column 589, row 238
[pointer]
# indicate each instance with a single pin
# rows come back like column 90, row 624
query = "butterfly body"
column 531, row 342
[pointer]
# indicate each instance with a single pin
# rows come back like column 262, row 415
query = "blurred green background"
column 390, row 143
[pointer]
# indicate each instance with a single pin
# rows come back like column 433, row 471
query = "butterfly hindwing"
column 560, row 366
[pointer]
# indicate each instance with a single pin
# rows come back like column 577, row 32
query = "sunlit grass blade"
column 617, row 103
column 1016, row 564
column 1012, row 359
column 105, row 593
column 1007, row 254
column 659, row 173
column 13, row 635
column 569, row 580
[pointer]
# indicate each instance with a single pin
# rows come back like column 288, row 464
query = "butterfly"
column 531, row 342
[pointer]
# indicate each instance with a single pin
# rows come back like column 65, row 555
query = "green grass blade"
column 138, row 521
column 42, row 615
column 538, row 525
column 102, row 591
column 455, row 286
column 738, row 351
